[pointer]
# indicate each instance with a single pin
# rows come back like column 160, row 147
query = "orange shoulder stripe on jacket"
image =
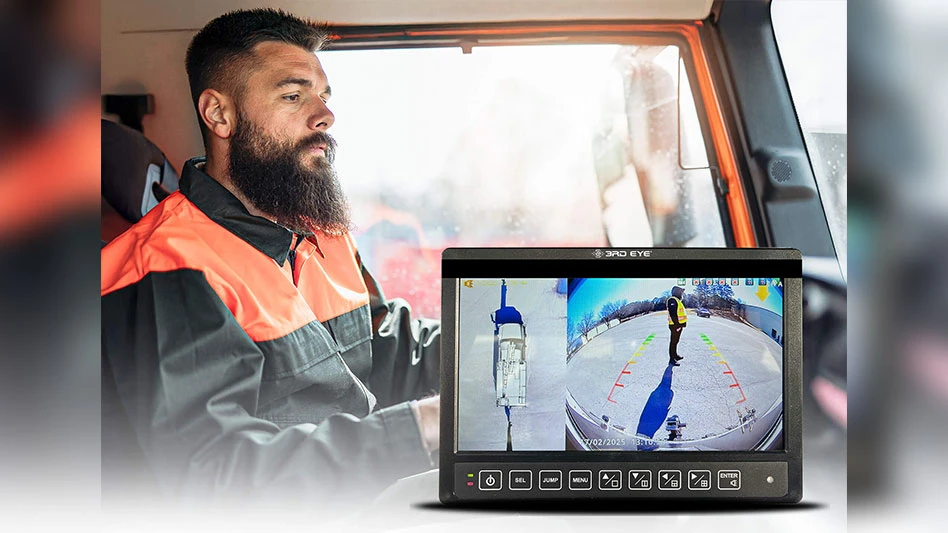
column 177, row 235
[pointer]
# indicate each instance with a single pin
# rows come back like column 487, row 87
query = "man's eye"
column 291, row 97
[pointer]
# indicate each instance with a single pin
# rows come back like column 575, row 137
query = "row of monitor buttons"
column 608, row 480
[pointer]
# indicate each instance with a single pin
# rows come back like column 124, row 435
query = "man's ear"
column 217, row 112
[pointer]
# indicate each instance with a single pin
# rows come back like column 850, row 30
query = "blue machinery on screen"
column 620, row 364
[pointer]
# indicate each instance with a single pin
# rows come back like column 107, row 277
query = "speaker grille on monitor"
column 780, row 170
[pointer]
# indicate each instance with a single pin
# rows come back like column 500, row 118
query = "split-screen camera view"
column 691, row 364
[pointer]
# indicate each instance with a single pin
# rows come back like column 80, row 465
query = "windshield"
column 554, row 145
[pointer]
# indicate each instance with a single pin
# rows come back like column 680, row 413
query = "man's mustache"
column 320, row 138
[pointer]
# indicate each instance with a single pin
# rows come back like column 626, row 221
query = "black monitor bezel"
column 785, row 263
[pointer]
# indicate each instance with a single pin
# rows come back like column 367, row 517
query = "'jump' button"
column 551, row 480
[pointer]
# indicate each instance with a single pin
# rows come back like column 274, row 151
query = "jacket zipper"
column 292, row 257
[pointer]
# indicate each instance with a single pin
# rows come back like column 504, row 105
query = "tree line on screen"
column 713, row 297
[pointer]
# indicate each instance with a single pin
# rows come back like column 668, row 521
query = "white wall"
column 154, row 63
column 165, row 14
column 766, row 320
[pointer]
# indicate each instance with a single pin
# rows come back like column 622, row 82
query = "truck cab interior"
column 628, row 123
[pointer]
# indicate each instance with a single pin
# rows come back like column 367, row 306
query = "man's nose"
column 321, row 118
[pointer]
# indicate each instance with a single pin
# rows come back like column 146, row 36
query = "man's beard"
column 271, row 175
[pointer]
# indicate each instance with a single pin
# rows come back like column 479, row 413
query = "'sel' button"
column 521, row 480
column 580, row 480
column 489, row 480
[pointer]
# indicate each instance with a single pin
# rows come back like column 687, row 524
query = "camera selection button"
column 640, row 480
column 699, row 480
column 669, row 480
column 610, row 479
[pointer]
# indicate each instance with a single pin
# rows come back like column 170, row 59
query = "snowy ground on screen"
column 704, row 395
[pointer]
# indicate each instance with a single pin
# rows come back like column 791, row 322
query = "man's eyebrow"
column 301, row 81
column 294, row 81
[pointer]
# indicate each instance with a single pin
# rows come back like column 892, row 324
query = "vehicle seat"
column 136, row 176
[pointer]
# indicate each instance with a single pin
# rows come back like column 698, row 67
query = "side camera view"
column 511, row 364
column 675, row 364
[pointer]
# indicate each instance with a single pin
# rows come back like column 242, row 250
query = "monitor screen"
column 620, row 364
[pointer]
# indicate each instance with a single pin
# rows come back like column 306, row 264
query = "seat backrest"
column 136, row 176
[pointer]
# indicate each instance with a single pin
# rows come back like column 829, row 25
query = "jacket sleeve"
column 188, row 378
column 406, row 351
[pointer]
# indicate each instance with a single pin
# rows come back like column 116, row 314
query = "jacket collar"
column 225, row 209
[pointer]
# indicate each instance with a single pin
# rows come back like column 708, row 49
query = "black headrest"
column 135, row 173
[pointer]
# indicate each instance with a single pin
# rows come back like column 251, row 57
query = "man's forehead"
column 282, row 60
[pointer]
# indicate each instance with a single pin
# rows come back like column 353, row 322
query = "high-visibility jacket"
column 681, row 315
column 247, row 358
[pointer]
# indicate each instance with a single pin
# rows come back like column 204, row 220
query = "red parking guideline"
column 617, row 384
column 735, row 384
column 728, row 371
column 625, row 369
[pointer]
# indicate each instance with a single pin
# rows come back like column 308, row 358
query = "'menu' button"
column 580, row 480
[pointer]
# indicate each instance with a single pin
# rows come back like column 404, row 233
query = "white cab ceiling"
column 184, row 15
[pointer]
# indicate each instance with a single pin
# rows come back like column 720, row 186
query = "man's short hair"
column 221, row 55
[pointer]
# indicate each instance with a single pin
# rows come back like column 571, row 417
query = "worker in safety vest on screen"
column 677, row 320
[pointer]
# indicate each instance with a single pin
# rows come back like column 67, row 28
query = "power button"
column 489, row 480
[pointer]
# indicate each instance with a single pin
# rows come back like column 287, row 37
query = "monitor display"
column 620, row 364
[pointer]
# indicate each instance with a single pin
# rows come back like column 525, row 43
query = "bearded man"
column 249, row 349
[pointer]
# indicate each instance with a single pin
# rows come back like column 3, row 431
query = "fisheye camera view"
column 675, row 364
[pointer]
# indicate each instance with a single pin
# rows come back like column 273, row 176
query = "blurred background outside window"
column 510, row 146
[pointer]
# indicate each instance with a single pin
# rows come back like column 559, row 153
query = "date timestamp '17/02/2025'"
column 604, row 442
